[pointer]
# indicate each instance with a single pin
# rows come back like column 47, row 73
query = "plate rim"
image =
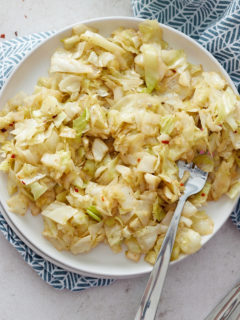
column 4, row 212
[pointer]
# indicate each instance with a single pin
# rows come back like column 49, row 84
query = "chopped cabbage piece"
column 202, row 223
column 37, row 189
column 102, row 42
column 62, row 61
column 147, row 237
column 189, row 240
column 147, row 163
column 234, row 190
column 174, row 59
column 151, row 31
column 59, row 212
column 81, row 245
column 204, row 162
column 5, row 165
column 70, row 42
column 153, row 66
column 59, row 119
column 70, row 84
column 94, row 213
column 99, row 149
column 158, row 212
column 18, row 204
column 60, row 161
column 80, row 124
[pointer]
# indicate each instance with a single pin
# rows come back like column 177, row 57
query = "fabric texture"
column 11, row 54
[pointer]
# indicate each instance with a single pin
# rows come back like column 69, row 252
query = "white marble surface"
column 193, row 287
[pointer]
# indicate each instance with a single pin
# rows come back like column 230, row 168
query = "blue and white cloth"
column 213, row 23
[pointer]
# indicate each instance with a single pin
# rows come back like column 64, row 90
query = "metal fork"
column 149, row 303
column 228, row 308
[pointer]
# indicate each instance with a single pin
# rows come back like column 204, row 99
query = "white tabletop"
column 193, row 286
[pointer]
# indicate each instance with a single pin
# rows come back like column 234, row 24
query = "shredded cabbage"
column 59, row 212
column 94, row 148
column 37, row 189
column 80, row 123
column 94, row 213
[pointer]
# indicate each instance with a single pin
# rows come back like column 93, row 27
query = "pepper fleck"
column 23, row 182
column 11, row 124
column 13, row 156
column 16, row 33
column 3, row 130
column 203, row 194
column 75, row 189
column 54, row 116
column 165, row 141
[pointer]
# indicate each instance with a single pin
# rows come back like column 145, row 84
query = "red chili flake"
column 23, row 182
column 235, row 131
column 138, row 160
column 165, row 141
column 75, row 189
column 203, row 194
column 103, row 199
column 181, row 184
column 16, row 33
column 11, row 124
column 173, row 70
column 220, row 125
column 2, row 36
column 13, row 156
column 54, row 116
column 3, row 130
column 201, row 129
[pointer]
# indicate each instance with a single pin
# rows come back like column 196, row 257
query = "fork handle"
column 149, row 303
column 225, row 310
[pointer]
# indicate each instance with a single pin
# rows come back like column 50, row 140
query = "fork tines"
column 183, row 166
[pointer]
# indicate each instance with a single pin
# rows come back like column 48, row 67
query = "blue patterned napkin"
column 11, row 53
column 214, row 23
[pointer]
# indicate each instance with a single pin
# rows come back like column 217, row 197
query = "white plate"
column 101, row 261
